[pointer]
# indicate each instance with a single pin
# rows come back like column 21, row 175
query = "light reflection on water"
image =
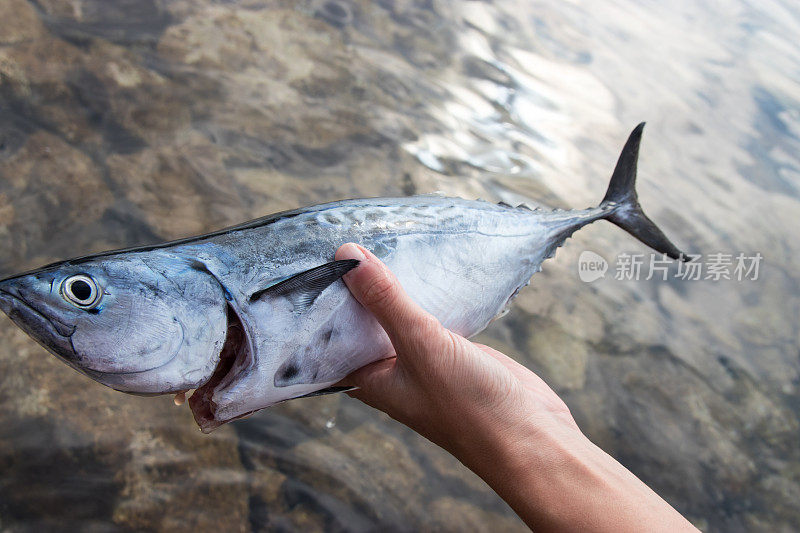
column 126, row 123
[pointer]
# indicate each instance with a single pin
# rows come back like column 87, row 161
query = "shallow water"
column 131, row 122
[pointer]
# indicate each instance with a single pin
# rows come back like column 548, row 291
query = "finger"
column 376, row 382
column 370, row 377
column 372, row 283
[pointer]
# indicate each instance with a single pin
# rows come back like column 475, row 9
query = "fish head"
column 139, row 322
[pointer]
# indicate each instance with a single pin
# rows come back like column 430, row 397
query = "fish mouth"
column 22, row 305
column 236, row 357
column 50, row 333
column 57, row 338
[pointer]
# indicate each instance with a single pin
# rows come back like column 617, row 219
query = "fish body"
column 257, row 314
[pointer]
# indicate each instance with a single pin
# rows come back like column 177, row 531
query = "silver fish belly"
column 257, row 314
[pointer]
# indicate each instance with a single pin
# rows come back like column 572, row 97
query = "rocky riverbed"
column 135, row 121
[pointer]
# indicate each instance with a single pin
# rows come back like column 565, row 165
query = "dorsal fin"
column 303, row 288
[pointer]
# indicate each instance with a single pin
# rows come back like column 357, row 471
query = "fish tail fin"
column 622, row 202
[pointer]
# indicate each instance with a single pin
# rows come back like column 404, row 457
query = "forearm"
column 496, row 416
column 556, row 479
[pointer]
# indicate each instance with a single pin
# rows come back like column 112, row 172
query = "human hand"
column 497, row 417
column 440, row 384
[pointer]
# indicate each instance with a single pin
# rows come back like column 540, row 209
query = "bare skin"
column 497, row 417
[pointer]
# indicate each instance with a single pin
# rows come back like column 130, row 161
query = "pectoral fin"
column 303, row 288
column 329, row 390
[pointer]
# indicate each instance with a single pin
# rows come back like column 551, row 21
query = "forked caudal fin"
column 623, row 201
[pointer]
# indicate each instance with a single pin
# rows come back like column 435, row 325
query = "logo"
column 591, row 266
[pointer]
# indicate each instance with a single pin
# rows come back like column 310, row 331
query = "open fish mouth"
column 235, row 358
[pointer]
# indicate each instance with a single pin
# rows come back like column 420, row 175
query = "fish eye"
column 81, row 291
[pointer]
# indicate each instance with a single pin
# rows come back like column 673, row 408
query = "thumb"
column 410, row 328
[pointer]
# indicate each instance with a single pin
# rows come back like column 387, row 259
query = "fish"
column 257, row 314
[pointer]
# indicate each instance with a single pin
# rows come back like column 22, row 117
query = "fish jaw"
column 15, row 296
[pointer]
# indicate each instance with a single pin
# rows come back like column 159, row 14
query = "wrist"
column 503, row 448
column 555, row 478
column 543, row 471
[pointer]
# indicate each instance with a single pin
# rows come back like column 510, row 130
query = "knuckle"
column 431, row 336
column 451, row 342
column 379, row 292
column 428, row 325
